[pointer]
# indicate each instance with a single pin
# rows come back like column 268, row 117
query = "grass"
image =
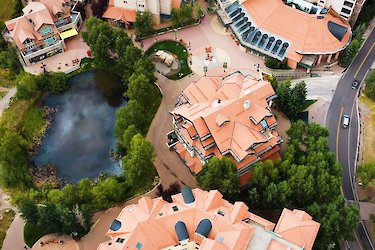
column 32, row 233
column 368, row 148
column 307, row 104
column 2, row 94
column 5, row 221
column 6, row 79
column 177, row 49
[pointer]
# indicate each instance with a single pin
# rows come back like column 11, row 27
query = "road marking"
column 368, row 53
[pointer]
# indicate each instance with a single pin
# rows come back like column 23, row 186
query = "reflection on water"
column 80, row 138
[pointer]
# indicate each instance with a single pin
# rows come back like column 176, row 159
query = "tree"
column 80, row 7
column 49, row 218
column 98, row 7
column 134, row 114
column 9, row 59
column 350, row 52
column 138, row 164
column 366, row 173
column 143, row 24
column 291, row 100
column 58, row 83
column 273, row 63
column 187, row 14
column 370, row 85
column 220, row 174
column 125, row 139
column 173, row 189
column 29, row 211
column 143, row 91
column 26, row 86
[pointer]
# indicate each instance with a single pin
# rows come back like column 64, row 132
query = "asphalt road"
column 343, row 141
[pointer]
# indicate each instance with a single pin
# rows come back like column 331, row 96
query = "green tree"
column 49, row 218
column 138, row 164
column 134, row 114
column 370, row 85
column 290, row 100
column 58, row 83
column 366, row 173
column 220, row 174
column 127, row 62
column 143, row 24
column 108, row 192
column 125, row 139
column 29, row 211
column 9, row 59
column 26, row 86
column 143, row 91
column 350, row 52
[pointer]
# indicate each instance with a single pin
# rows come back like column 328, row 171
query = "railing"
column 41, row 51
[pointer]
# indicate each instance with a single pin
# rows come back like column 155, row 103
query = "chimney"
column 219, row 101
column 246, row 104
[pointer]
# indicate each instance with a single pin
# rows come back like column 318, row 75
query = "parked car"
column 345, row 121
column 355, row 84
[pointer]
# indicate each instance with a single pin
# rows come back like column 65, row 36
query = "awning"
column 68, row 33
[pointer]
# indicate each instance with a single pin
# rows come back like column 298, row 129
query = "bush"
column 273, row 63
column 26, row 86
column 370, row 85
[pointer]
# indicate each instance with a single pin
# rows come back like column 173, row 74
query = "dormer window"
column 58, row 15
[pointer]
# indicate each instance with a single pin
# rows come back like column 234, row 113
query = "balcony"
column 62, row 26
column 40, row 50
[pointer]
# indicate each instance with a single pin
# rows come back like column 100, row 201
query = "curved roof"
column 204, row 227
column 116, row 225
column 188, row 195
column 307, row 33
column 181, row 231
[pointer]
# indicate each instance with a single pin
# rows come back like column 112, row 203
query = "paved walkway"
column 168, row 164
column 14, row 239
column 4, row 103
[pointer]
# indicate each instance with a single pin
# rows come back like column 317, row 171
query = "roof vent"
column 320, row 17
column 246, row 104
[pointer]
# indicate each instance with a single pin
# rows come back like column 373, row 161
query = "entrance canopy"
column 68, row 33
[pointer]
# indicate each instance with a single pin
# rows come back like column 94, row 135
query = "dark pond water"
column 79, row 140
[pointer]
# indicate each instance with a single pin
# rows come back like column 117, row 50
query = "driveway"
column 168, row 164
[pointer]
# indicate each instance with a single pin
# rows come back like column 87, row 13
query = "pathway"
column 14, row 239
column 4, row 103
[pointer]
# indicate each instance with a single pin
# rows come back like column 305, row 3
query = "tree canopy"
column 143, row 24
column 366, row 173
column 291, row 99
column 220, row 174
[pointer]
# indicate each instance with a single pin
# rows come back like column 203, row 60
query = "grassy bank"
column 6, row 219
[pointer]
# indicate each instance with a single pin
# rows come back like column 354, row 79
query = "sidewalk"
column 14, row 239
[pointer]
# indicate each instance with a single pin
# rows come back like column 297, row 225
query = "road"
column 344, row 141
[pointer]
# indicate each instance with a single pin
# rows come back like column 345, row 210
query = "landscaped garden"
column 176, row 49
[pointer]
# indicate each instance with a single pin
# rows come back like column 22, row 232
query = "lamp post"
column 225, row 65
column 205, row 70
column 175, row 34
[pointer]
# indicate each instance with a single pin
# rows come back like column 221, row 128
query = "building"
column 123, row 13
column 198, row 219
column 41, row 30
column 306, row 35
column 348, row 9
column 228, row 116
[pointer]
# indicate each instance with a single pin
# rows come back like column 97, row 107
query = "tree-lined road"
column 344, row 141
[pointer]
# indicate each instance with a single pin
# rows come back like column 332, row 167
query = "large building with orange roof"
column 40, row 32
column 273, row 28
column 123, row 13
column 197, row 219
column 228, row 116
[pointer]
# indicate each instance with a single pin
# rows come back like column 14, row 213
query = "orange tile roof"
column 297, row 227
column 305, row 32
column 216, row 106
column 151, row 224
column 117, row 13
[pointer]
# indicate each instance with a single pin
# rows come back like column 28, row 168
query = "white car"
column 345, row 121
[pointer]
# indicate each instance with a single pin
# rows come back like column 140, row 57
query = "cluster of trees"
column 98, row 7
column 143, row 24
column 290, row 100
column 189, row 13
column 366, row 173
column 167, row 193
column 54, row 218
column 80, row 7
column 370, row 85
column 307, row 177
column 8, row 55
column 353, row 48
column 273, row 63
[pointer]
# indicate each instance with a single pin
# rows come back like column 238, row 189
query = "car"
column 355, row 84
column 345, row 121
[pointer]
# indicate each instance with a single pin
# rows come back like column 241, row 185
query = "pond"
column 81, row 136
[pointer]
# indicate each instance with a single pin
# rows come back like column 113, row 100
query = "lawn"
column 32, row 233
column 6, row 219
column 177, row 49
column 307, row 104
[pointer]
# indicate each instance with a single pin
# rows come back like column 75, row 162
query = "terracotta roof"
column 117, row 13
column 216, row 106
column 306, row 33
column 297, row 227
column 151, row 224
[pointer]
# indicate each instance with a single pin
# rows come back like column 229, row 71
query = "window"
column 120, row 240
column 175, row 208
column 220, row 239
column 139, row 245
column 46, row 31
column 50, row 41
column 221, row 213
column 349, row 4
column 346, row 11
